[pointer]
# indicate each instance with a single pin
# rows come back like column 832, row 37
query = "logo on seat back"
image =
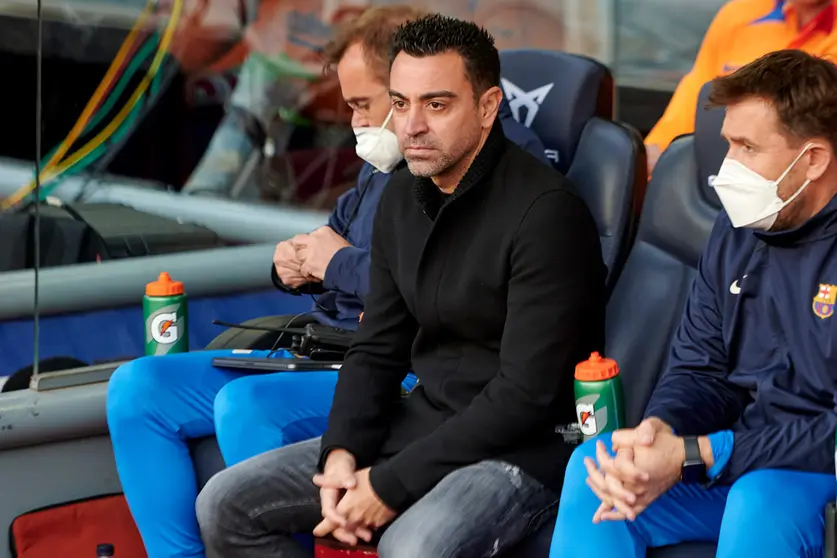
column 530, row 100
column 824, row 301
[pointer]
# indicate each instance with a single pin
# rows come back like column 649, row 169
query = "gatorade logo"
column 590, row 421
column 586, row 418
column 164, row 328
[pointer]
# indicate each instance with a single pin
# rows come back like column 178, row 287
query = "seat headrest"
column 710, row 147
column 556, row 94
column 677, row 216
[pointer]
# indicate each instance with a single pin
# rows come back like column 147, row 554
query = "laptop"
column 263, row 365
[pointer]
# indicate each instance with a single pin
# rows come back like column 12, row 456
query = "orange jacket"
column 742, row 31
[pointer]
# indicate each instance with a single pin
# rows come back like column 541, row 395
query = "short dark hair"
column 437, row 34
column 801, row 88
column 373, row 29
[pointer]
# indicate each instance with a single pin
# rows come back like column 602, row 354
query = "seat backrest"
column 645, row 308
column 556, row 94
column 609, row 171
column 710, row 147
column 567, row 100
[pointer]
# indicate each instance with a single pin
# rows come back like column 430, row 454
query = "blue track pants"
column 768, row 513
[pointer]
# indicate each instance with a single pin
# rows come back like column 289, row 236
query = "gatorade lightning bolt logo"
column 162, row 328
column 590, row 421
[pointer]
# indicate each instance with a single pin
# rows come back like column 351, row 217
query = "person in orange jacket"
column 742, row 31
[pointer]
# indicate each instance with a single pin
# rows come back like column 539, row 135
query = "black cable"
column 38, row 125
column 275, row 346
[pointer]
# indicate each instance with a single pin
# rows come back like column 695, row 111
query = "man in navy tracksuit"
column 738, row 443
column 156, row 405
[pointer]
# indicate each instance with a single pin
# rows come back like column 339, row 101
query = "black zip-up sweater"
column 491, row 295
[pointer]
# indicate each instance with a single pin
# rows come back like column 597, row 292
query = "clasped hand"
column 305, row 258
column 351, row 509
column 647, row 462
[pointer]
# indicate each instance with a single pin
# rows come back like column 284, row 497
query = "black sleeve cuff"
column 389, row 488
column 279, row 284
column 308, row 289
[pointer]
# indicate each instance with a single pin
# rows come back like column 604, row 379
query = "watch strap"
column 694, row 469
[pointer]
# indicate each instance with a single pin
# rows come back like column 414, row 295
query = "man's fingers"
column 625, row 438
column 601, row 453
column 345, row 536
column 594, row 476
column 626, row 469
column 344, row 478
column 600, row 493
column 329, row 498
column 364, row 534
column 618, row 491
column 324, row 527
column 602, row 509
column 645, row 433
column 336, row 479
column 613, row 515
column 606, row 462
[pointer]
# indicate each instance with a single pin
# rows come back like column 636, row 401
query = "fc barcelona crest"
column 825, row 300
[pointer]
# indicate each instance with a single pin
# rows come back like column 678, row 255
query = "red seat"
column 330, row 548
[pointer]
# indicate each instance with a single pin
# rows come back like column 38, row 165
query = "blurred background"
column 138, row 110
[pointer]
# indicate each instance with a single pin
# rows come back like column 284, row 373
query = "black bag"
column 93, row 232
column 130, row 233
column 64, row 240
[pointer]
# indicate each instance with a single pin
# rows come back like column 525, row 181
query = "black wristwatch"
column 694, row 469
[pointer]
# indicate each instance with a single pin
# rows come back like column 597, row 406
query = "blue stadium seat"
column 645, row 307
column 567, row 100
column 648, row 302
column 676, row 220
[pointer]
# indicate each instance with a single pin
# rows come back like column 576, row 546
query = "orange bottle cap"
column 596, row 369
column 164, row 286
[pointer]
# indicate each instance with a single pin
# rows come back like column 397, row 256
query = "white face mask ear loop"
column 804, row 184
column 381, row 130
column 388, row 118
column 793, row 164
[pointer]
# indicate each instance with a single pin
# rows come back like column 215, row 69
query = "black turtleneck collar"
column 822, row 225
column 431, row 199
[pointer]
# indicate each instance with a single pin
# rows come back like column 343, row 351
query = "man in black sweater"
column 487, row 280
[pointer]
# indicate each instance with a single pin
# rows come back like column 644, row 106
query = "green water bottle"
column 599, row 403
column 165, row 314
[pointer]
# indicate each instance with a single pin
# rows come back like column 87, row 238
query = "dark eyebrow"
column 425, row 96
column 738, row 139
column 357, row 100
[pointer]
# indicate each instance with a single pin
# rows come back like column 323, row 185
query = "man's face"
column 362, row 90
column 438, row 123
column 755, row 138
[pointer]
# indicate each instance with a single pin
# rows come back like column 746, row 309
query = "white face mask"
column 750, row 199
column 378, row 146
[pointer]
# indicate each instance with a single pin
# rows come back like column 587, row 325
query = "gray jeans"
column 251, row 509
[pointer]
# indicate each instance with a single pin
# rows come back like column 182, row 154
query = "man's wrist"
column 706, row 454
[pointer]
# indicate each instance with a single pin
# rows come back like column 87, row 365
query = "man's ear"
column 820, row 157
column 489, row 104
